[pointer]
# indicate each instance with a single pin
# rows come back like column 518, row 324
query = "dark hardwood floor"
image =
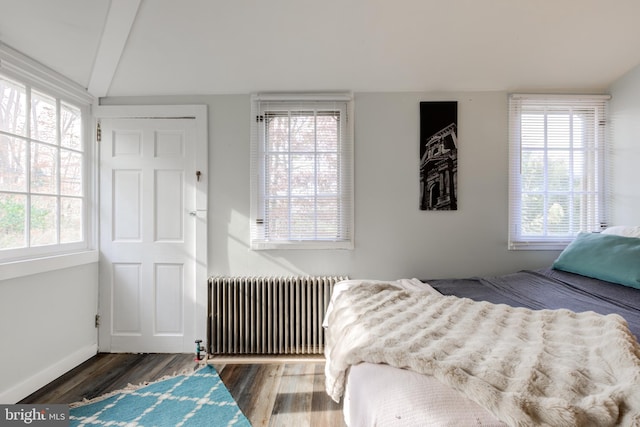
column 283, row 393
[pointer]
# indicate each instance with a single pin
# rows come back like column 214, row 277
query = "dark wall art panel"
column 439, row 156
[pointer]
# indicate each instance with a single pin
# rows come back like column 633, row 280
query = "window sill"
column 538, row 246
column 262, row 245
column 27, row 267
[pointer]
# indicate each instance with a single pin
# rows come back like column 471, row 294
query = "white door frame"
column 200, row 114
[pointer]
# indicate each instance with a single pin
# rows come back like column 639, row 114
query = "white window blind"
column 557, row 169
column 302, row 172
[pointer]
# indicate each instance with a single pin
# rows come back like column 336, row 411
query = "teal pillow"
column 603, row 256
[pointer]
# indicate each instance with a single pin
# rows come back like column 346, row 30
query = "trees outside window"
column 42, row 169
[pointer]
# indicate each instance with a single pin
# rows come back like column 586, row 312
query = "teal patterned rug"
column 197, row 399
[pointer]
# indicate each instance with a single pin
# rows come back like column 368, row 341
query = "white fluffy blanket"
column 528, row 368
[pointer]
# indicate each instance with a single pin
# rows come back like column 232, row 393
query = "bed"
column 385, row 383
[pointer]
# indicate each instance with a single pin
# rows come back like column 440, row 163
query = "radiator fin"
column 268, row 315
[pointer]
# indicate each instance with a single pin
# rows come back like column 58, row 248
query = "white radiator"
column 268, row 315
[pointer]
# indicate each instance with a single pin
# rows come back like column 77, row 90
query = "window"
column 43, row 169
column 557, row 169
column 302, row 193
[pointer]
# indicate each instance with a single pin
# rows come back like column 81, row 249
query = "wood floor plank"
column 114, row 378
column 162, row 365
column 238, row 378
column 263, row 392
column 78, row 384
column 105, row 373
column 269, row 394
column 325, row 412
column 293, row 402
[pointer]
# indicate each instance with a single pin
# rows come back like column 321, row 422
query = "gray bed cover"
column 549, row 288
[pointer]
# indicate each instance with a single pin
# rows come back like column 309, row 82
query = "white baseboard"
column 45, row 376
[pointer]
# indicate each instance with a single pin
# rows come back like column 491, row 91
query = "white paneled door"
column 149, row 217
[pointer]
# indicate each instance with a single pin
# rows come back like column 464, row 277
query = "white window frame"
column 34, row 76
column 259, row 236
column 595, row 218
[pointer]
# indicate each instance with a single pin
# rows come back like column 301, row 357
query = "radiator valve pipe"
column 200, row 352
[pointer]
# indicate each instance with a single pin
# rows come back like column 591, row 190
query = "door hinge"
column 98, row 132
column 97, row 320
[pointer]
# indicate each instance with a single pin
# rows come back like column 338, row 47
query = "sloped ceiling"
column 169, row 47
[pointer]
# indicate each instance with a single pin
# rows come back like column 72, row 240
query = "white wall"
column 46, row 320
column 393, row 237
column 47, row 327
column 625, row 119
